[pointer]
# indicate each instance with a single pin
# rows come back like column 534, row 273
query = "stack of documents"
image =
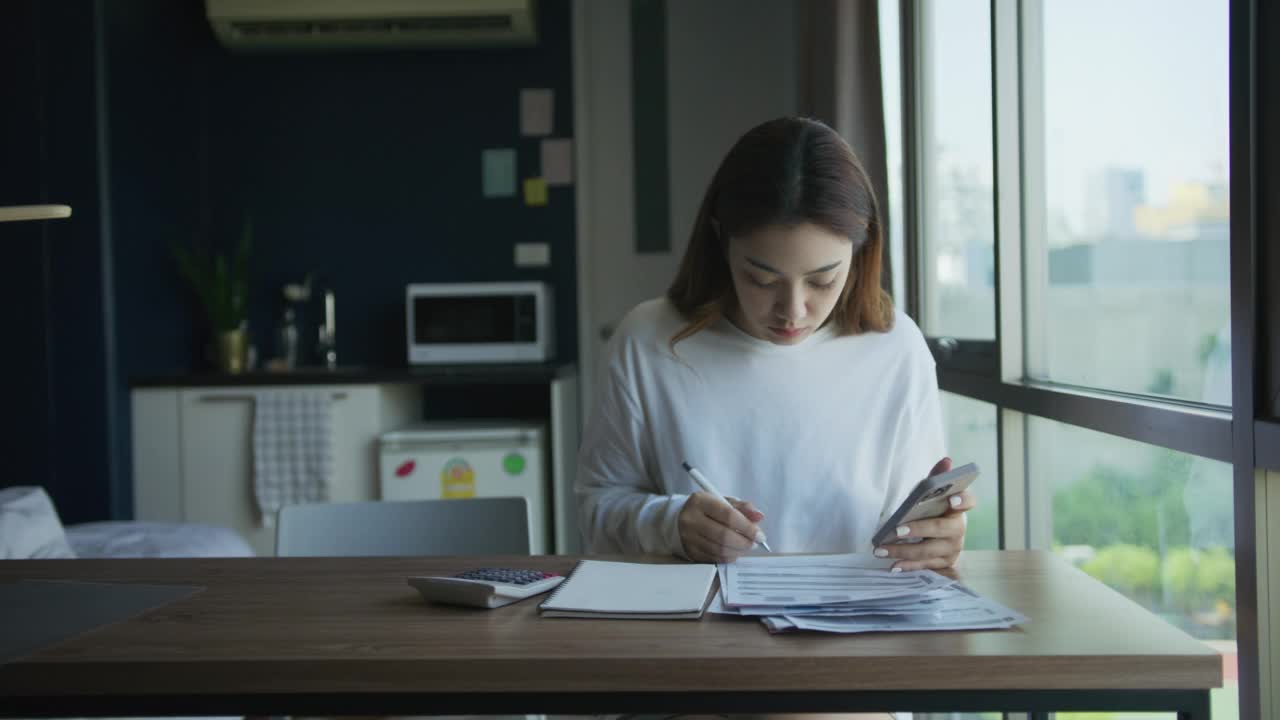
column 851, row 594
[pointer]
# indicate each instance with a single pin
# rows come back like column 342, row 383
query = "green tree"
column 1111, row 506
column 1200, row 586
column 1133, row 570
column 1216, row 580
column 1181, row 568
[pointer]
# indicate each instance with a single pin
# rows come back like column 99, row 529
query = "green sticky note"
column 498, row 168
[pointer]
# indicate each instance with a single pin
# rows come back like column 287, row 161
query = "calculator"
column 488, row 587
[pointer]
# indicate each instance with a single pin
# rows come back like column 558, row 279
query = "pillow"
column 29, row 526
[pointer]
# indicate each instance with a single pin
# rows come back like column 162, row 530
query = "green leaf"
column 221, row 285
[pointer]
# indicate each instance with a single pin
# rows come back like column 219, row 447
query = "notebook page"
column 623, row 587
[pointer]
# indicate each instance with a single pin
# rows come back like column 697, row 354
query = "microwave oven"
column 479, row 322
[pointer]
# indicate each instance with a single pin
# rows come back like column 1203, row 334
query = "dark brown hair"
column 786, row 172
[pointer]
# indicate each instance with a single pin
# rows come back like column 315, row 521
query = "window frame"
column 995, row 371
column 1260, row 167
column 968, row 367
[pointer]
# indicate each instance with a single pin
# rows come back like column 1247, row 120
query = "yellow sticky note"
column 535, row 192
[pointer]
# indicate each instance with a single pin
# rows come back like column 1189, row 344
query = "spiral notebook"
column 632, row 591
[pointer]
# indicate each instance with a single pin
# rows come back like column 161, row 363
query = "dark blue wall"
column 363, row 168
column 366, row 170
column 22, row 294
column 54, row 305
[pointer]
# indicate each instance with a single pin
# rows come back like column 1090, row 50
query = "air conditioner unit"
column 370, row 24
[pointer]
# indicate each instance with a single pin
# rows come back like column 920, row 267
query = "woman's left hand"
column 943, row 536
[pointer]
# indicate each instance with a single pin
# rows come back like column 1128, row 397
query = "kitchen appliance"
column 479, row 322
column 464, row 459
column 326, row 25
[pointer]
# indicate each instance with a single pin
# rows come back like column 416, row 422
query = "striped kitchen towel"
column 292, row 449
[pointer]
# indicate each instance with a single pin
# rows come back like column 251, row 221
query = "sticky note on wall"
column 498, row 172
column 535, row 192
column 536, row 111
column 557, row 161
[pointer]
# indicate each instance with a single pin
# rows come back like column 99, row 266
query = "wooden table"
column 333, row 636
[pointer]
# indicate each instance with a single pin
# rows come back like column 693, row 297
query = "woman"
column 778, row 367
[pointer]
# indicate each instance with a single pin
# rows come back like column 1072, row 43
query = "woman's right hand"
column 715, row 532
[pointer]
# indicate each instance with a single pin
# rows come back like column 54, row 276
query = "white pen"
column 706, row 485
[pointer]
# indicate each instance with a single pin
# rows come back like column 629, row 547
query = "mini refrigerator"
column 460, row 459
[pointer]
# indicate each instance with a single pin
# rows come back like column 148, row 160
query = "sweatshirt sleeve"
column 621, row 506
column 919, row 440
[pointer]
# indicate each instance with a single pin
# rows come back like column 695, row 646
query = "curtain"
column 839, row 84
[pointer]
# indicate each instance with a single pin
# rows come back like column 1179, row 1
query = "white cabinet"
column 565, row 434
column 193, row 448
column 157, row 455
column 193, row 458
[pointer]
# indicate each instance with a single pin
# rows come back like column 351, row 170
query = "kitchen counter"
column 359, row 375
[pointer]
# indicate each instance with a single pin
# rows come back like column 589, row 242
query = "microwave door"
column 475, row 328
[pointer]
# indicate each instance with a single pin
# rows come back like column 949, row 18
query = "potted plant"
column 222, row 286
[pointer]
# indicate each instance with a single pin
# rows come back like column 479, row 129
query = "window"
column 955, row 166
column 889, row 14
column 970, row 427
column 1152, row 523
column 970, row 430
column 1066, row 192
column 1127, row 196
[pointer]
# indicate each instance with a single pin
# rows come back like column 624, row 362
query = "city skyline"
column 1118, row 105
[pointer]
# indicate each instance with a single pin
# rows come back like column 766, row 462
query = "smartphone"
column 928, row 499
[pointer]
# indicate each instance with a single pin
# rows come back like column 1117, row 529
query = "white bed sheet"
column 116, row 539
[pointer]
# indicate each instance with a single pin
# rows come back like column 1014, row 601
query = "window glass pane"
column 957, row 203
column 1133, row 232
column 891, row 84
column 970, row 427
column 1154, row 524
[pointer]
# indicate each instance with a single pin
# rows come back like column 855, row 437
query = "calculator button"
column 509, row 576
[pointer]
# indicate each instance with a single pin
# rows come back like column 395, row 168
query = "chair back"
column 470, row 526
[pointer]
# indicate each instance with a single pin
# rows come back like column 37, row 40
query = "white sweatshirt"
column 825, row 437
